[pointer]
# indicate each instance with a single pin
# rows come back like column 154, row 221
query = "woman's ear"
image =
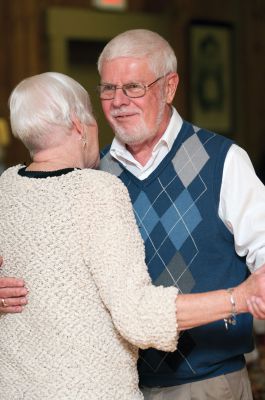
column 77, row 126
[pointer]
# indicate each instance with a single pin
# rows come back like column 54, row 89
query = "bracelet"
column 231, row 320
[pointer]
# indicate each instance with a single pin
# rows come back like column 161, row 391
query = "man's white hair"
column 141, row 43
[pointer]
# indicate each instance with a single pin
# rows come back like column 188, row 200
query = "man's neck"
column 142, row 152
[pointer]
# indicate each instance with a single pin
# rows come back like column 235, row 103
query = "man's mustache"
column 123, row 111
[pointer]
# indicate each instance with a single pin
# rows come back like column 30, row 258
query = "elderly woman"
column 69, row 230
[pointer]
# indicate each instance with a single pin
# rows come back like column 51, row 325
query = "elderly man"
column 200, row 210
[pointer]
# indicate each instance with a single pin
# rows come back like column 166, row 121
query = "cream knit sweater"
column 74, row 240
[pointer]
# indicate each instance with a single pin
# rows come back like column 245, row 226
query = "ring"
column 3, row 302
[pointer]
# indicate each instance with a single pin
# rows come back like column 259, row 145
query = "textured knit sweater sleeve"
column 144, row 315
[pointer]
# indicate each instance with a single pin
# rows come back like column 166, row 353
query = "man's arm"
column 241, row 208
column 12, row 294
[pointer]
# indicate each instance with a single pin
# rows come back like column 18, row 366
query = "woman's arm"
column 202, row 308
column 145, row 315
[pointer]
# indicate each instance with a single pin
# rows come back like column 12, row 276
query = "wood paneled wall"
column 24, row 52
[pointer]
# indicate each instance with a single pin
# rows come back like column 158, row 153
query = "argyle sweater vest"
column 188, row 246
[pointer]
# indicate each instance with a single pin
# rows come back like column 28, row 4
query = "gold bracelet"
column 231, row 320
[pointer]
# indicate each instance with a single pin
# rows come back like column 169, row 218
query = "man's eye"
column 107, row 88
column 133, row 86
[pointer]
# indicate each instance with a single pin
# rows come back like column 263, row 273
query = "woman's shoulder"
column 102, row 187
column 11, row 172
column 102, row 179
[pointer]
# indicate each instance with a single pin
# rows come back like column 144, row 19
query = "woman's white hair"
column 44, row 103
column 141, row 43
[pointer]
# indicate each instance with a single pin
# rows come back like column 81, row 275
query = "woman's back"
column 64, row 344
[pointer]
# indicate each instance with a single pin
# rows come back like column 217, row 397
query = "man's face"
column 135, row 120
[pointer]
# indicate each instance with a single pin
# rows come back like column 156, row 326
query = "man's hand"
column 251, row 294
column 12, row 294
column 256, row 307
column 256, row 302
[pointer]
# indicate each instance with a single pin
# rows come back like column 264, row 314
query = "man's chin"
column 129, row 140
column 131, row 136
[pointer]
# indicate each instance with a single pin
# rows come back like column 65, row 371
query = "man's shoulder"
column 109, row 163
column 205, row 132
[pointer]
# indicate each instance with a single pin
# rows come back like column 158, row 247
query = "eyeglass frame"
column 123, row 88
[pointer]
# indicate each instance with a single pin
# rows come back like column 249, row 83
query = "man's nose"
column 120, row 98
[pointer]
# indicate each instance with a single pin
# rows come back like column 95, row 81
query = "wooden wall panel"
column 248, row 21
column 253, row 81
column 24, row 52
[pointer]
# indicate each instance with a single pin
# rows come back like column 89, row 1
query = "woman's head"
column 43, row 107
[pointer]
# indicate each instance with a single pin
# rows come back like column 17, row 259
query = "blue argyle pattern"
column 167, row 214
column 166, row 223
column 176, row 212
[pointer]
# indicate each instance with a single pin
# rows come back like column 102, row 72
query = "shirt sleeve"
column 242, row 206
column 144, row 314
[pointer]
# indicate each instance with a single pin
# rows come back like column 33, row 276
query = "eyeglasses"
column 132, row 90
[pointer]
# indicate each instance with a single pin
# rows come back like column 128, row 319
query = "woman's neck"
column 56, row 158
column 49, row 166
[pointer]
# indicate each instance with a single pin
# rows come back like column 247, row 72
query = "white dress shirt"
column 242, row 197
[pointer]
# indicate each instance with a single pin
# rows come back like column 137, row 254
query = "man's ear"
column 171, row 86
